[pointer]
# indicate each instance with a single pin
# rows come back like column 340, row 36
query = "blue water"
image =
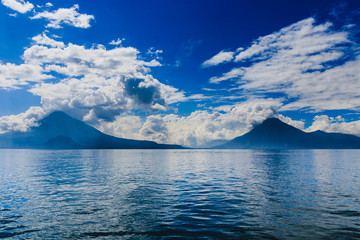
column 180, row 194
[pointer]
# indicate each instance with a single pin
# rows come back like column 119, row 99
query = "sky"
column 184, row 72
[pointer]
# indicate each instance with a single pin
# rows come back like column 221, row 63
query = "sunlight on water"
column 167, row 194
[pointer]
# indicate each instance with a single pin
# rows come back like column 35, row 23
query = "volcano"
column 275, row 134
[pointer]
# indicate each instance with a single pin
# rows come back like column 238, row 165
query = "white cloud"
column 157, row 106
column 42, row 39
column 234, row 73
column 198, row 129
column 18, row 5
column 13, row 76
column 67, row 16
column 302, row 38
column 23, row 121
column 198, row 97
column 303, row 61
column 117, row 42
column 76, row 60
column 154, row 52
column 209, row 89
column 125, row 126
column 155, row 128
column 295, row 123
column 48, row 5
column 221, row 57
column 96, row 80
column 336, row 125
column 224, row 122
column 203, row 126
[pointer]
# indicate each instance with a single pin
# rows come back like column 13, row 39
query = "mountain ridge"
column 275, row 134
column 60, row 131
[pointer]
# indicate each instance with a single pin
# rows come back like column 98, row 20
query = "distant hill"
column 275, row 134
column 60, row 131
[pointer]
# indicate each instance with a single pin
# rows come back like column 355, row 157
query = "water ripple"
column 180, row 194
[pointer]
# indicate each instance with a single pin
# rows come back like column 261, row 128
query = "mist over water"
column 167, row 194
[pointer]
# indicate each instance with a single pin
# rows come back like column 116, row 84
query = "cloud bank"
column 314, row 65
column 204, row 127
column 201, row 127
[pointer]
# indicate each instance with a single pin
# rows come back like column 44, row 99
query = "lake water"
column 180, row 194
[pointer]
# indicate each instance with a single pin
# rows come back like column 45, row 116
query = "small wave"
column 347, row 213
column 13, row 234
column 5, row 221
column 170, row 233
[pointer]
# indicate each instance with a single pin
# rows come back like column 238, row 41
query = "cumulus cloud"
column 14, row 76
column 107, row 81
column 65, row 16
column 42, row 39
column 155, row 128
column 76, row 60
column 125, row 126
column 204, row 126
column 18, row 5
column 199, row 128
column 303, row 61
column 336, row 125
column 221, row 57
column 143, row 91
column 23, row 121
column 295, row 123
column 94, row 84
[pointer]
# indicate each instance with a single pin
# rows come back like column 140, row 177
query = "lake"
column 180, row 194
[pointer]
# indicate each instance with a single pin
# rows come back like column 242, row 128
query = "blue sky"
column 186, row 72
